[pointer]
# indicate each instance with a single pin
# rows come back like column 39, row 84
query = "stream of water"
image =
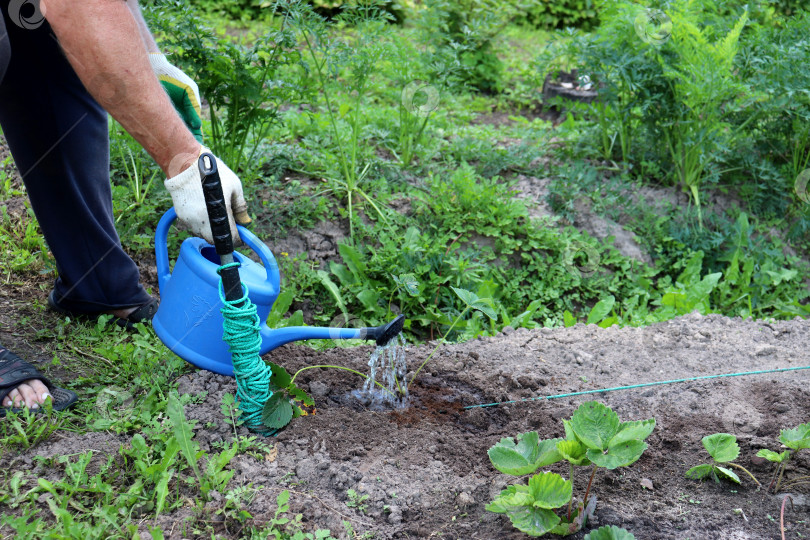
column 388, row 367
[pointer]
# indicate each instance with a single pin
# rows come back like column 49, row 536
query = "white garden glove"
column 189, row 201
column 182, row 90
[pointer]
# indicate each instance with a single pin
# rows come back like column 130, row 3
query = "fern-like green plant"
column 699, row 68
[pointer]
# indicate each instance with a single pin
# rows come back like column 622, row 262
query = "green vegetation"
column 794, row 439
column 593, row 436
column 724, row 450
column 414, row 130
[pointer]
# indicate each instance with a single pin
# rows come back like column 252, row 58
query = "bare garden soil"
column 425, row 468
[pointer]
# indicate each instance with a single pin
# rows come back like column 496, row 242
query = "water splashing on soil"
column 388, row 367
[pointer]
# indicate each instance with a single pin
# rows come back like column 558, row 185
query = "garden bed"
column 425, row 469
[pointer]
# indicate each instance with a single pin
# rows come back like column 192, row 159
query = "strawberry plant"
column 609, row 533
column 724, row 450
column 795, row 439
column 596, row 436
column 531, row 507
column 593, row 436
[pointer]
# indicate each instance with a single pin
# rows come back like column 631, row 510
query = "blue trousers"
column 58, row 137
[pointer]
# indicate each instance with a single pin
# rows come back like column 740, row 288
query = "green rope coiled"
column 241, row 332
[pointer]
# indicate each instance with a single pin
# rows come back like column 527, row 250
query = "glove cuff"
column 190, row 177
column 161, row 66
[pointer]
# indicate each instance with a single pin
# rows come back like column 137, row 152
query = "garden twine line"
column 641, row 385
column 240, row 330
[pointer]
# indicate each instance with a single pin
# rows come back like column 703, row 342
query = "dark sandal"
column 14, row 371
column 144, row 313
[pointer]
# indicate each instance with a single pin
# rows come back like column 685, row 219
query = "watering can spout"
column 272, row 339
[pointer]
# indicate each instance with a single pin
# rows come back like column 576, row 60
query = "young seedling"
column 795, row 439
column 594, row 436
column 610, row 533
column 724, row 450
column 530, row 507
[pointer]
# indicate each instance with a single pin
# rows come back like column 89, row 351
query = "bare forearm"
column 102, row 41
column 143, row 29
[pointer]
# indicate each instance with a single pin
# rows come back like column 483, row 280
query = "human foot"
column 31, row 393
column 23, row 386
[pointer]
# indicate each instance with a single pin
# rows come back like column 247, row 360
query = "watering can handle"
column 162, row 251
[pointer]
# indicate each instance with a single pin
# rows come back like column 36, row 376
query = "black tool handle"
column 220, row 228
column 215, row 202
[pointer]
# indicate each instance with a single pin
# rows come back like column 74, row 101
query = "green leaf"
column 298, row 394
column 354, row 261
column 698, row 293
column 601, row 309
column 484, row 305
column 523, row 456
column 595, row 424
column 568, row 319
column 728, row 473
column 162, row 491
column 722, row 447
column 699, row 472
column 333, row 290
column 296, row 319
column 278, row 411
column 569, row 431
column 408, row 282
column 343, row 274
column 573, row 452
column 510, row 498
column 280, row 378
column 182, row 432
column 550, row 490
column 280, row 307
column 468, row 297
column 611, row 532
column 620, row 455
column 533, row 521
column 796, row 438
column 369, row 299
column 634, row 430
column 770, row 455
column 547, row 452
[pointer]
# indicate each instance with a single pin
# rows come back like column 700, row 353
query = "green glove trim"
column 185, row 102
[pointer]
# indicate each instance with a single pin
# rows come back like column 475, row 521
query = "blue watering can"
column 189, row 321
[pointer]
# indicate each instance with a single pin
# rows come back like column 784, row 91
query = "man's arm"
column 143, row 29
column 102, row 41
